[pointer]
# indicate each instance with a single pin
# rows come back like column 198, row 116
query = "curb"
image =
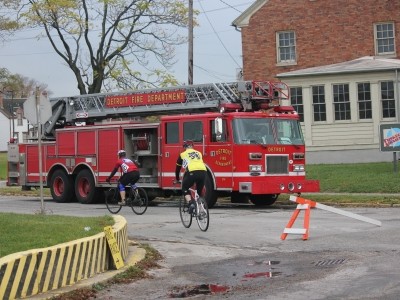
column 135, row 255
column 37, row 271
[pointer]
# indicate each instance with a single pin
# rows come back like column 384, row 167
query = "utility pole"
column 39, row 125
column 190, row 54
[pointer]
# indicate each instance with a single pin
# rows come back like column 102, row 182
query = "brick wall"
column 327, row 32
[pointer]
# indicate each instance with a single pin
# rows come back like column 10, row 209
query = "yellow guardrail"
column 36, row 271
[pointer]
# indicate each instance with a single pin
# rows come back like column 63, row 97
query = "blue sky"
column 217, row 51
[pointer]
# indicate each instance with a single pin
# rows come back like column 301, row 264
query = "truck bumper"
column 279, row 186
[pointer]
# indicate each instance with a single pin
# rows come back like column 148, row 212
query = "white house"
column 12, row 125
column 5, row 132
column 343, row 105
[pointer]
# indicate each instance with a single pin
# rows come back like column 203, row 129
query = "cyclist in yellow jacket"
column 195, row 171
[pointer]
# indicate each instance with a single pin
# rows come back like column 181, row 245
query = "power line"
column 215, row 32
column 26, row 54
column 227, row 4
column 247, row 4
column 213, row 73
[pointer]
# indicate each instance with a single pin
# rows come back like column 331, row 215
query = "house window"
column 364, row 101
column 286, row 47
column 296, row 99
column 19, row 117
column 387, row 98
column 319, row 106
column 341, row 101
column 384, row 39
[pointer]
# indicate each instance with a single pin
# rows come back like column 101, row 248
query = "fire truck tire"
column 85, row 189
column 211, row 195
column 61, row 187
column 263, row 200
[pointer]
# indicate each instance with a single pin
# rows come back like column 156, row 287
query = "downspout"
column 397, row 95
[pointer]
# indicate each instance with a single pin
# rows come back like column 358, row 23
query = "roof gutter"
column 319, row 73
column 397, row 94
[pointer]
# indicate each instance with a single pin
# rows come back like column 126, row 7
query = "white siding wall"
column 4, row 132
column 21, row 130
column 344, row 141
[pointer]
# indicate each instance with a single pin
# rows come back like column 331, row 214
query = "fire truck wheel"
column 85, row 189
column 263, row 200
column 211, row 195
column 61, row 187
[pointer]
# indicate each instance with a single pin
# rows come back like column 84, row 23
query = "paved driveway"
column 242, row 255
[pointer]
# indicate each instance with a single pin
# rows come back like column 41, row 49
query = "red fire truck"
column 251, row 142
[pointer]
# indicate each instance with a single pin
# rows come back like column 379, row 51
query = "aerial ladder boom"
column 243, row 95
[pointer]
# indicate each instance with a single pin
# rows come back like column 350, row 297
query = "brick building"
column 285, row 35
column 341, row 60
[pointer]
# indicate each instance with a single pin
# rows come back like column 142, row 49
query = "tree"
column 20, row 86
column 107, row 43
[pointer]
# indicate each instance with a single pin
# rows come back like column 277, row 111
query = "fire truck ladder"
column 201, row 97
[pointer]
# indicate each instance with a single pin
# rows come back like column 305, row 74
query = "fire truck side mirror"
column 218, row 128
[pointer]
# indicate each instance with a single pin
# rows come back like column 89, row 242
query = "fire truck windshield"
column 267, row 131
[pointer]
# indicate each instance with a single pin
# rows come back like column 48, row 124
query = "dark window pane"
column 172, row 130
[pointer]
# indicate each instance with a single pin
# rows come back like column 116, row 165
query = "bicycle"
column 200, row 212
column 136, row 198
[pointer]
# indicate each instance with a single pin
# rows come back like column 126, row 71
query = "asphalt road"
column 242, row 256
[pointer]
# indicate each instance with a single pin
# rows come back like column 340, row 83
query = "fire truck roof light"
column 230, row 107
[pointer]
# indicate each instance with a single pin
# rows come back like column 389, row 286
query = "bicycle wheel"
column 202, row 215
column 139, row 201
column 186, row 218
column 112, row 199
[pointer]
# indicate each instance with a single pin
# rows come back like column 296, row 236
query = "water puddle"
column 202, row 289
column 262, row 274
column 265, row 274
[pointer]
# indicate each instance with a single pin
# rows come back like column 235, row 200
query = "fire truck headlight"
column 298, row 168
column 282, row 186
column 299, row 186
column 255, row 168
column 291, row 186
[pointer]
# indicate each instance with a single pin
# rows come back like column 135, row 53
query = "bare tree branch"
column 119, row 43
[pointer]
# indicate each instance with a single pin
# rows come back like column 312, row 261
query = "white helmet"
column 121, row 153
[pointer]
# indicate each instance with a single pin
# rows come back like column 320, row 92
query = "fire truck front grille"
column 277, row 164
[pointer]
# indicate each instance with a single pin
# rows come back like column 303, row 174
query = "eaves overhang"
column 244, row 19
column 366, row 64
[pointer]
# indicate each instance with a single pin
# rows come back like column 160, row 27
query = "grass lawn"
column 22, row 232
column 356, row 178
column 3, row 165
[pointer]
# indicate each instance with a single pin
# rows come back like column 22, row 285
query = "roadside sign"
column 389, row 137
column 30, row 109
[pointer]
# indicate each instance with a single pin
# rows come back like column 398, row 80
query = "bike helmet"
column 121, row 153
column 187, row 144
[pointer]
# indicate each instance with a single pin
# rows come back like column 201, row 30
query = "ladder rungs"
column 295, row 230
